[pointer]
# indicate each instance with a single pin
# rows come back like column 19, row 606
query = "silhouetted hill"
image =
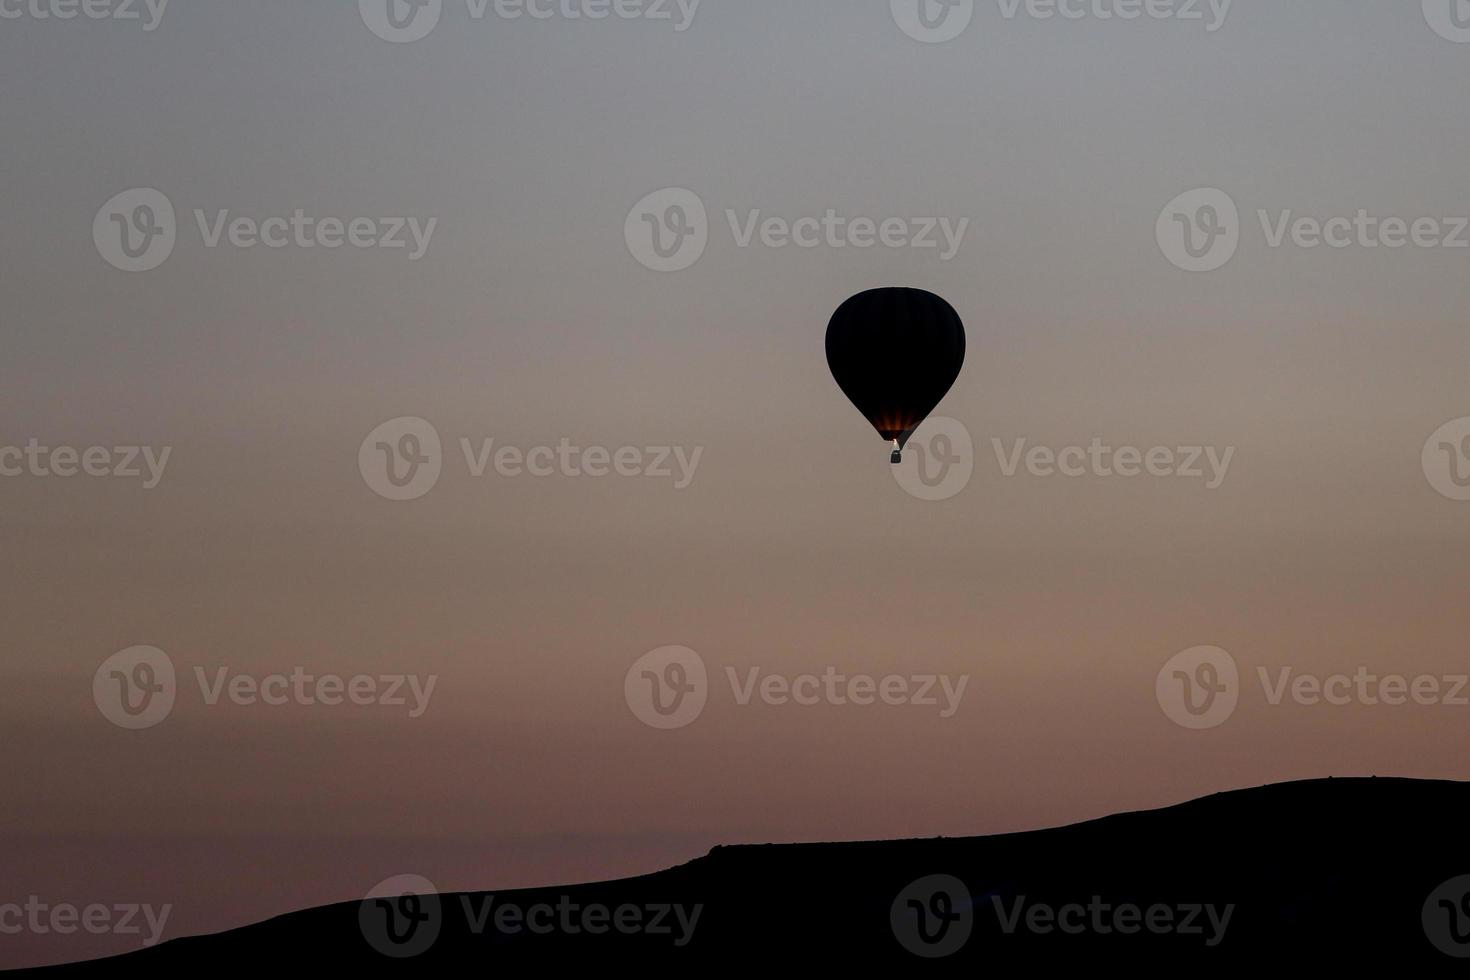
column 1304, row 875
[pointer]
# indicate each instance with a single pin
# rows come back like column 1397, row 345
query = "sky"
column 753, row 520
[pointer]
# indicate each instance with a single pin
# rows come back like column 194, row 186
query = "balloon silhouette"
column 895, row 353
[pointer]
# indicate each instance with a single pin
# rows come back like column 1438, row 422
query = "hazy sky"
column 529, row 320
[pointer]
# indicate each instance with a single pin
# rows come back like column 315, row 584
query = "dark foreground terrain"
column 1357, row 872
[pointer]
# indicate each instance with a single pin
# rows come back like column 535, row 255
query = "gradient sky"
column 528, row 321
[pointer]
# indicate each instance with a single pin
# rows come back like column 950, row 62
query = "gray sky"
column 529, row 320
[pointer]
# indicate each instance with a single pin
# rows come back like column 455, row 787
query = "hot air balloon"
column 895, row 353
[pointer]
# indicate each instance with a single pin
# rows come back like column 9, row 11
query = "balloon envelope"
column 895, row 353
